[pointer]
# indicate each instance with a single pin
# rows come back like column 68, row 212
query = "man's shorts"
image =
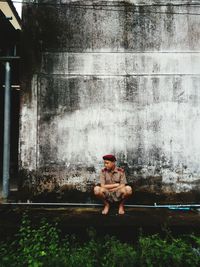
column 113, row 196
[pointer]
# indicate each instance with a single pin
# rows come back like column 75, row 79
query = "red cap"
column 109, row 157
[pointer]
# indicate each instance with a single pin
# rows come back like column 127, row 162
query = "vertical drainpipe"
column 6, row 142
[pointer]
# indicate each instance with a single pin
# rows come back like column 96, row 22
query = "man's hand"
column 110, row 186
column 114, row 189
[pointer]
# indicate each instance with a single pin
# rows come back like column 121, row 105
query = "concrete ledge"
column 77, row 220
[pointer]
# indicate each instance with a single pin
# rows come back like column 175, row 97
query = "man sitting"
column 113, row 185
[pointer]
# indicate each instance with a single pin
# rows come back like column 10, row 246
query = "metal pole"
column 6, row 141
column 140, row 206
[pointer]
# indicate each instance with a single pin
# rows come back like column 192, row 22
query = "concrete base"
column 78, row 220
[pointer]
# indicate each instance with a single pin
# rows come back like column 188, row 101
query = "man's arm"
column 110, row 186
column 122, row 183
column 117, row 187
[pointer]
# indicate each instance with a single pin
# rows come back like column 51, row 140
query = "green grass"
column 44, row 246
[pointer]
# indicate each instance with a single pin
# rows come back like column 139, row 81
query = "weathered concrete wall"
column 118, row 77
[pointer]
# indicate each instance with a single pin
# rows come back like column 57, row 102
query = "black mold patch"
column 43, row 186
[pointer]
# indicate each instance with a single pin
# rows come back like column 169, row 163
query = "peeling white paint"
column 28, row 129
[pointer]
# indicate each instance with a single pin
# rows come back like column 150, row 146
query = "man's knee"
column 129, row 190
column 97, row 190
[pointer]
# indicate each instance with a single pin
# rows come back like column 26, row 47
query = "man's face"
column 109, row 165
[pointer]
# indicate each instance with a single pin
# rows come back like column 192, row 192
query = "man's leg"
column 126, row 192
column 106, row 208
column 101, row 193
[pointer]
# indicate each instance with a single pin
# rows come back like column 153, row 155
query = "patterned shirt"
column 111, row 177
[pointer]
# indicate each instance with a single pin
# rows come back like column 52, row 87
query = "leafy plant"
column 43, row 246
column 155, row 251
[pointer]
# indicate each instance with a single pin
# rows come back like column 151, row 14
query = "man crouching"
column 113, row 185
